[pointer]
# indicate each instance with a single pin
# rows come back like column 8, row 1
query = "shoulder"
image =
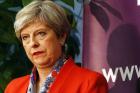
column 90, row 80
column 19, row 80
column 79, row 72
column 17, row 83
column 93, row 75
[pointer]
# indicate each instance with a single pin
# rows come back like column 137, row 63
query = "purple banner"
column 111, row 42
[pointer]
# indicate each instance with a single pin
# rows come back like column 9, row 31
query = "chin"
column 42, row 63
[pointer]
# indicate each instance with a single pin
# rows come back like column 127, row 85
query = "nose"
column 34, row 43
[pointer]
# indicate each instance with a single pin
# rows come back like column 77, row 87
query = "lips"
column 37, row 53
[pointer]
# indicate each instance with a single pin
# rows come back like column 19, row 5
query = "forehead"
column 34, row 26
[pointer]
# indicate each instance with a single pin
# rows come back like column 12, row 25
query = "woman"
column 42, row 27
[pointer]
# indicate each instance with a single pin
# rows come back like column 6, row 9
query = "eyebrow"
column 41, row 29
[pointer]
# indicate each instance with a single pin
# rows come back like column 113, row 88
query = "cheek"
column 27, row 51
column 52, row 46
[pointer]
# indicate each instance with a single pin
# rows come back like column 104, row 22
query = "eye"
column 42, row 33
column 25, row 37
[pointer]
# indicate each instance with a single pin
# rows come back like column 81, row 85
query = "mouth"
column 38, row 53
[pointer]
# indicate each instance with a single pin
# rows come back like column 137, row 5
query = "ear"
column 63, row 38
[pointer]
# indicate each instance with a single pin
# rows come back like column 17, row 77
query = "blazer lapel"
column 63, row 74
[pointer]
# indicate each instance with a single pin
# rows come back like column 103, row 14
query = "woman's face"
column 41, row 44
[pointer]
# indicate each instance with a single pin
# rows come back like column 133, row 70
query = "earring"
column 62, row 42
column 66, row 47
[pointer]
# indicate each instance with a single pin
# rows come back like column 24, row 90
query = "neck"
column 43, row 73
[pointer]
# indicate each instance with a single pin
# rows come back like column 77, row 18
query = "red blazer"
column 71, row 79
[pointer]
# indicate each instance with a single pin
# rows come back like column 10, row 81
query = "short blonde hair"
column 45, row 11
